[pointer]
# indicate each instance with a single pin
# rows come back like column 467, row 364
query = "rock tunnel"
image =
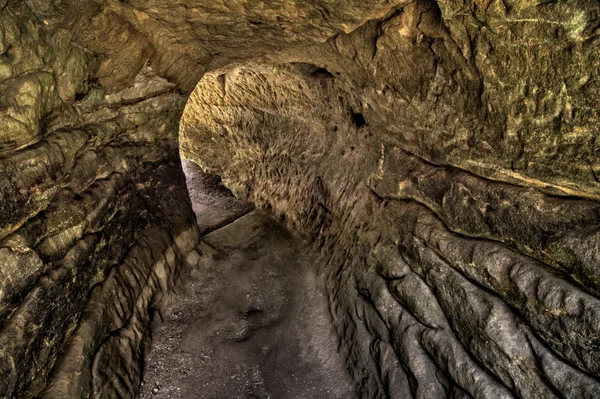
column 442, row 159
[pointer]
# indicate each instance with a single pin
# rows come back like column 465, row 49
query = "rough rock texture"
column 444, row 159
column 95, row 221
column 443, row 155
column 94, row 216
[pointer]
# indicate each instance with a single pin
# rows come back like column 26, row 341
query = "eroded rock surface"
column 443, row 155
column 444, row 159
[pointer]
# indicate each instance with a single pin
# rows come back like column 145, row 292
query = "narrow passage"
column 251, row 320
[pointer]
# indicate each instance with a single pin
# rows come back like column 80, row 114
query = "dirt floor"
column 251, row 320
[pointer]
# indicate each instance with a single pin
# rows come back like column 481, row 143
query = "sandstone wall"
column 95, row 221
column 444, row 158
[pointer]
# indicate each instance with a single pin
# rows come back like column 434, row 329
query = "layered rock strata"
column 444, row 159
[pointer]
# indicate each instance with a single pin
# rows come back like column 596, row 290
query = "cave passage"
column 440, row 158
column 251, row 319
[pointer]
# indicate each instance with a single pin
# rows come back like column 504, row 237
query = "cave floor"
column 251, row 320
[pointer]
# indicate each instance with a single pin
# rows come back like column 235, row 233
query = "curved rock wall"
column 444, row 159
column 95, row 221
column 92, row 226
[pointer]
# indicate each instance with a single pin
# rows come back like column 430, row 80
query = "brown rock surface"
column 442, row 155
column 443, row 160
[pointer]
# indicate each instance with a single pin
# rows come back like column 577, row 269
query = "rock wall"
column 443, row 155
column 444, row 158
column 95, row 220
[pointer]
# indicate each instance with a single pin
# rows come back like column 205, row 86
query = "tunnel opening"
column 250, row 316
column 213, row 204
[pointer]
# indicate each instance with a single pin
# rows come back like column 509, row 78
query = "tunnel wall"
column 95, row 219
column 444, row 161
